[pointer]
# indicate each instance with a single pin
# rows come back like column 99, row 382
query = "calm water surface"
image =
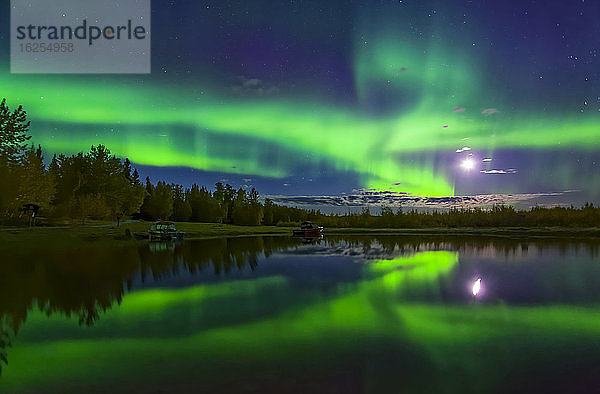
column 272, row 314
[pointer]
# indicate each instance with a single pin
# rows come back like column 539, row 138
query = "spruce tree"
column 14, row 128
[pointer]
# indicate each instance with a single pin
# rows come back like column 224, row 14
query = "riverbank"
column 521, row 232
column 107, row 231
column 98, row 231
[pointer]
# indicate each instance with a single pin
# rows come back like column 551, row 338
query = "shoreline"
column 576, row 232
column 97, row 230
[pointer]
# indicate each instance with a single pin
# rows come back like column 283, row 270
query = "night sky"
column 346, row 99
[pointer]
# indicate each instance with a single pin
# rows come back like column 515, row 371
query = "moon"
column 468, row 164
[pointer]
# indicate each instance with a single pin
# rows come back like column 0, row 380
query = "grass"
column 72, row 235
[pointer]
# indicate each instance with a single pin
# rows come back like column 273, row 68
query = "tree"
column 35, row 185
column 97, row 185
column 205, row 207
column 8, row 190
column 387, row 217
column 149, row 188
column 70, row 173
column 125, row 194
column 269, row 212
column 13, row 148
column 159, row 205
column 247, row 210
column 181, row 208
column 91, row 205
column 225, row 196
column 14, row 127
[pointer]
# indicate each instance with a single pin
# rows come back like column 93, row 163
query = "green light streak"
column 135, row 339
column 338, row 135
column 444, row 333
column 423, row 267
column 435, row 75
column 159, row 151
column 435, row 78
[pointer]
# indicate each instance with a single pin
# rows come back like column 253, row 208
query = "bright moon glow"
column 476, row 286
column 468, row 164
column 284, row 126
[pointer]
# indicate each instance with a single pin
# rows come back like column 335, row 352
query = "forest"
column 98, row 185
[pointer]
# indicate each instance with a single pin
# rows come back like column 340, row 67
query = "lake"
column 347, row 314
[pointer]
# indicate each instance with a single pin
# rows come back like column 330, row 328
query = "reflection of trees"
column 81, row 282
column 223, row 254
column 87, row 281
column 392, row 244
column 6, row 333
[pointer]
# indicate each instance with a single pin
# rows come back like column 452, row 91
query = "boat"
column 164, row 231
column 308, row 230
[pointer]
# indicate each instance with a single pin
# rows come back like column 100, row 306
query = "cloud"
column 499, row 171
column 367, row 198
column 459, row 109
column 252, row 87
column 490, row 111
column 251, row 83
column 493, row 171
column 486, row 159
column 463, row 149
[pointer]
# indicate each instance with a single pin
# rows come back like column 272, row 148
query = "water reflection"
column 476, row 287
column 282, row 298
column 88, row 280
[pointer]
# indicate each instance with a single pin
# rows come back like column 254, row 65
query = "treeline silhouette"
column 98, row 185
column 60, row 284
column 198, row 204
column 496, row 216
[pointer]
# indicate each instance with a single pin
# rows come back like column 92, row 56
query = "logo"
column 80, row 36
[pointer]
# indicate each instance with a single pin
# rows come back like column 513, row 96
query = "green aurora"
column 157, row 124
